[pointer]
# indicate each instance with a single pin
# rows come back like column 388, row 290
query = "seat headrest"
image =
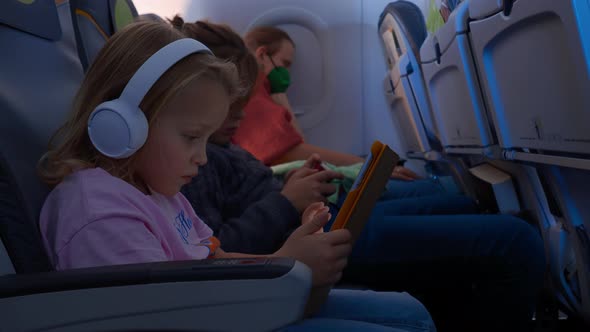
column 92, row 26
column 39, row 80
column 96, row 21
column 37, row 17
column 411, row 19
column 123, row 12
column 96, row 12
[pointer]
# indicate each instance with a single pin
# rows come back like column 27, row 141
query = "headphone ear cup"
column 117, row 129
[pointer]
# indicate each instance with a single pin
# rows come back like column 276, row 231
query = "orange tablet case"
column 367, row 188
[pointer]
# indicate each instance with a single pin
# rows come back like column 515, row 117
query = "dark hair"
column 270, row 37
column 226, row 44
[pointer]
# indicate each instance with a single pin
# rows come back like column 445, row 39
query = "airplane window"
column 307, row 71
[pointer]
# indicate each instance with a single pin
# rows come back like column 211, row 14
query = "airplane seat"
column 571, row 194
column 411, row 132
column 33, row 106
column 453, row 85
column 403, row 29
column 413, row 33
column 533, row 59
column 459, row 108
column 95, row 21
column 40, row 75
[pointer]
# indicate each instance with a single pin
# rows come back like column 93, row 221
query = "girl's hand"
column 312, row 211
column 326, row 254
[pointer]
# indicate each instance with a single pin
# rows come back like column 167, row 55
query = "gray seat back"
column 533, row 58
column 534, row 61
column 453, row 86
column 411, row 131
column 40, row 75
column 403, row 29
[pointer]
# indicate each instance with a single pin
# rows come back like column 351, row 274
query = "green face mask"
column 279, row 78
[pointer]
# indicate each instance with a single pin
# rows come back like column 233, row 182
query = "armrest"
column 147, row 273
column 257, row 294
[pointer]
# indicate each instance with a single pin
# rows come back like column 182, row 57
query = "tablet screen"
column 362, row 172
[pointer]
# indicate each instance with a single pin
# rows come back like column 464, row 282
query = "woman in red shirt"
column 269, row 130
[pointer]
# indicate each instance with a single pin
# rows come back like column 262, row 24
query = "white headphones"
column 118, row 128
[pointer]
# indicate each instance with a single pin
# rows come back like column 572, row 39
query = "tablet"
column 366, row 189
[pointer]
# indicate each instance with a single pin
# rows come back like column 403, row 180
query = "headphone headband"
column 147, row 75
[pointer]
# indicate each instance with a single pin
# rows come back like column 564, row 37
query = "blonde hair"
column 70, row 149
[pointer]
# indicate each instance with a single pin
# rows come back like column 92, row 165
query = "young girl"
column 117, row 203
column 278, row 139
